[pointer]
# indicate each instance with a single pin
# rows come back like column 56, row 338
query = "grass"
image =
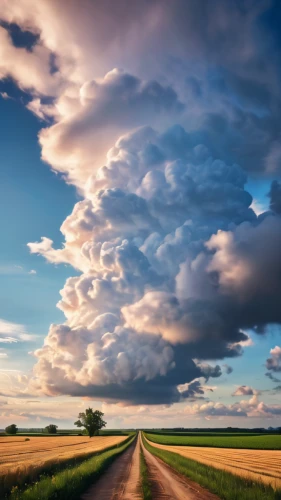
column 145, row 483
column 70, row 433
column 202, row 432
column 116, row 432
column 32, row 473
column 262, row 442
column 222, row 483
column 71, row 482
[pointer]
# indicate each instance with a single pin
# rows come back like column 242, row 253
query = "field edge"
column 224, row 484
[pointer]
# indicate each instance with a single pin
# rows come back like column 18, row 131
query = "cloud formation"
column 171, row 272
column 245, row 390
column 174, row 263
column 252, row 408
column 274, row 362
column 13, row 332
column 187, row 66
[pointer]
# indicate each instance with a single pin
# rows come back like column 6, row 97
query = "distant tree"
column 51, row 429
column 11, row 429
column 91, row 420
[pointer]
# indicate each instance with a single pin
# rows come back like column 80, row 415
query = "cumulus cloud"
column 100, row 111
column 274, row 362
column 252, row 408
column 212, row 409
column 164, row 283
column 245, row 390
column 188, row 58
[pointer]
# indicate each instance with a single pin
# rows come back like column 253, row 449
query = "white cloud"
column 13, row 332
column 15, row 269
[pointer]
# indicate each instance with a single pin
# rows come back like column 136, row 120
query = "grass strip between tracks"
column 145, row 483
column 227, row 486
column 72, row 481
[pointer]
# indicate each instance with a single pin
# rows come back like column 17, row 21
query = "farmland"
column 23, row 460
column 258, row 465
column 241, row 441
column 16, row 453
column 72, row 479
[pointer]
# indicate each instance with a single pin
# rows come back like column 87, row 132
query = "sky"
column 140, row 259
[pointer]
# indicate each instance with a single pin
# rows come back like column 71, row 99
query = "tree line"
column 91, row 420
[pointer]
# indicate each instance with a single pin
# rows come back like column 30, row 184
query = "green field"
column 75, row 432
column 263, row 442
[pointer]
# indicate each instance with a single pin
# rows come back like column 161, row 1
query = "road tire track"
column 121, row 481
column 167, row 484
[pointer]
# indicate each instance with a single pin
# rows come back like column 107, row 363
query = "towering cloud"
column 170, row 257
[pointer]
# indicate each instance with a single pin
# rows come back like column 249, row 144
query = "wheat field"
column 17, row 454
column 259, row 465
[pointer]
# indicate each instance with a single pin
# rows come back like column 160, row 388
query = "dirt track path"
column 167, row 484
column 121, row 480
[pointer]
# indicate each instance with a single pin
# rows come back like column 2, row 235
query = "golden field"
column 259, row 465
column 19, row 455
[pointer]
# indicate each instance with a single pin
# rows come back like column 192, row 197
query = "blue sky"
column 27, row 186
column 146, row 150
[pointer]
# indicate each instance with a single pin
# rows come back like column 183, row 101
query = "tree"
column 51, row 429
column 11, row 429
column 91, row 420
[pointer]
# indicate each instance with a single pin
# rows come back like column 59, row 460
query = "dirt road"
column 167, row 484
column 121, row 480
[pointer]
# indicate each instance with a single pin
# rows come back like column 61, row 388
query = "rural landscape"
column 140, row 256
column 138, row 464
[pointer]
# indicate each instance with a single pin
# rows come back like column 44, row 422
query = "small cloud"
column 245, row 390
column 15, row 269
column 13, row 332
column 5, row 96
column 8, row 340
column 274, row 362
column 3, row 353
